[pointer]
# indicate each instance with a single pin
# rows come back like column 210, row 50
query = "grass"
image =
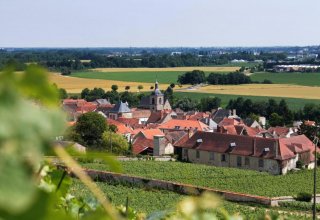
column 293, row 103
column 305, row 79
column 238, row 180
column 157, row 201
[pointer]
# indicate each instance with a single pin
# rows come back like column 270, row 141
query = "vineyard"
column 156, row 202
column 244, row 181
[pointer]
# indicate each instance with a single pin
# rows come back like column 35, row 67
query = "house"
column 122, row 129
column 121, row 109
column 143, row 142
column 76, row 107
column 156, row 101
column 272, row 155
column 155, row 142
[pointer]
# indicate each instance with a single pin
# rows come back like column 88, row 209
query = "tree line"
column 71, row 59
column 198, row 76
column 278, row 113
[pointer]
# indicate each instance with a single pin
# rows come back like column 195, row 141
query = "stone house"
column 272, row 155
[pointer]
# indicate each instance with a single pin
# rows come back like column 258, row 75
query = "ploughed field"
column 232, row 179
column 156, row 202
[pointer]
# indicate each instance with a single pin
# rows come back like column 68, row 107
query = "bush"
column 295, row 205
column 304, row 197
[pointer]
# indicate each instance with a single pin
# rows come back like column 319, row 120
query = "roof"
column 122, row 128
column 279, row 131
column 141, row 144
column 150, row 133
column 103, row 102
column 132, row 122
column 175, row 136
column 176, row 124
column 120, row 107
column 220, row 114
column 278, row 149
column 228, row 121
column 309, row 123
column 141, row 113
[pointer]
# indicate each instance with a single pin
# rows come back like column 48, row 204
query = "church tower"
column 156, row 100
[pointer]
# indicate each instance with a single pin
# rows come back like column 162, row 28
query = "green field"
column 160, row 201
column 293, row 103
column 148, row 77
column 238, row 180
column 305, row 79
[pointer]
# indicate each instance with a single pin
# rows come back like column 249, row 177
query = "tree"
column 276, row 120
column 63, row 93
column 151, row 87
column 168, row 94
column 172, row 85
column 65, row 71
column 209, row 103
column 84, row 93
column 140, row 87
column 186, row 104
column 114, row 143
column 90, row 126
column 114, row 87
column 127, row 88
column 194, row 77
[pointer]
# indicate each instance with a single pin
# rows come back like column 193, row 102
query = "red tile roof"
column 132, row 122
column 279, row 131
column 278, row 149
column 141, row 144
column 229, row 121
column 176, row 124
column 310, row 123
column 150, row 133
column 122, row 128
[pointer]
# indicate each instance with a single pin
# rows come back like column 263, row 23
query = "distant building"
column 156, row 101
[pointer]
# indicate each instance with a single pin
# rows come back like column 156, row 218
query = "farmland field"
column 306, row 79
column 238, row 180
column 293, row 103
column 75, row 85
column 155, row 201
column 269, row 90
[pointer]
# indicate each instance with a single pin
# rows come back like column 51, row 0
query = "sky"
column 159, row 23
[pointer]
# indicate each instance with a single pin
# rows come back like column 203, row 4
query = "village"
column 217, row 138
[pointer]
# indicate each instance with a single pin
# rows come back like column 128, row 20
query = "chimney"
column 234, row 112
column 159, row 145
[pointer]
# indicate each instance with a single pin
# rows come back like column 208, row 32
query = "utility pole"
column 315, row 141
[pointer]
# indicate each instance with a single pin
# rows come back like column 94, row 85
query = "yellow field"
column 274, row 90
column 203, row 68
column 76, row 85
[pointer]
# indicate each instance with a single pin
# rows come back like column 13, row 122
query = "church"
column 156, row 101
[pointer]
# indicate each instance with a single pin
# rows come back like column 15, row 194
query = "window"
column 152, row 101
column 239, row 161
column 185, row 152
column 211, row 156
column 223, row 157
column 247, row 161
column 160, row 101
column 261, row 163
column 198, row 154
